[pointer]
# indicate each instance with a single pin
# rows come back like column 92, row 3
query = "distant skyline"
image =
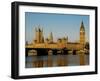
column 61, row 25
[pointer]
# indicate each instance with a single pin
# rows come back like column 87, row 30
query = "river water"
column 56, row 60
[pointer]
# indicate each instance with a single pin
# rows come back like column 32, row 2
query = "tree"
column 87, row 45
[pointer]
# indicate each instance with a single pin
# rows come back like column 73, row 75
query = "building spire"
column 42, row 35
column 51, row 37
column 35, row 29
column 82, row 27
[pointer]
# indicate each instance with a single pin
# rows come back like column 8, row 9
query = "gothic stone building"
column 40, row 42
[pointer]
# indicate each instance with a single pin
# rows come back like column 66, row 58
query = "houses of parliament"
column 62, row 43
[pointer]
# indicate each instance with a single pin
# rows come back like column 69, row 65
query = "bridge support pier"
column 50, row 52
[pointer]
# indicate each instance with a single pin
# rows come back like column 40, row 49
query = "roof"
column 72, row 43
column 82, row 26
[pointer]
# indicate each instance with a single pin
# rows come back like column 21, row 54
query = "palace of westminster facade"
column 40, row 42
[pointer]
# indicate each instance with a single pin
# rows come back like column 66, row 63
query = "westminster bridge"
column 30, row 50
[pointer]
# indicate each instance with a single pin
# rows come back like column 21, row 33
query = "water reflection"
column 56, row 60
column 61, row 61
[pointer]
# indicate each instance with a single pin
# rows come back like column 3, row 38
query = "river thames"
column 56, row 60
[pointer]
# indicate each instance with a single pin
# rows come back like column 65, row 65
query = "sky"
column 61, row 25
